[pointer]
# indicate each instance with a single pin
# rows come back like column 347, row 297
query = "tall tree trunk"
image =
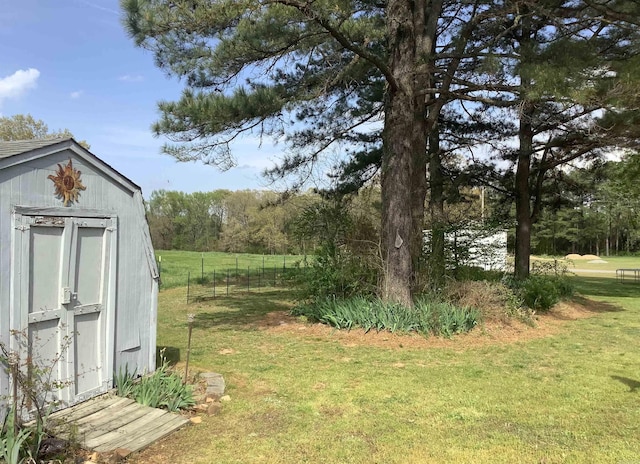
column 525, row 152
column 436, row 209
column 397, row 220
column 404, row 138
column 403, row 143
column 523, row 207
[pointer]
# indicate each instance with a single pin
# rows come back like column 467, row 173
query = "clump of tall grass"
column 426, row 317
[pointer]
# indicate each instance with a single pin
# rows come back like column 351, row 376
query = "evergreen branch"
column 305, row 8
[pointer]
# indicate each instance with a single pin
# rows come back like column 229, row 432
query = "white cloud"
column 131, row 78
column 75, row 95
column 17, row 84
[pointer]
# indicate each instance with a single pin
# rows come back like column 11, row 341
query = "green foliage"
column 591, row 209
column 14, row 442
column 25, row 127
column 162, row 389
column 539, row 293
column 373, row 314
column 335, row 273
column 547, row 285
column 124, row 381
column 346, row 261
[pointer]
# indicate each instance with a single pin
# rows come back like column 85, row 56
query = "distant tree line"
column 244, row 221
column 594, row 208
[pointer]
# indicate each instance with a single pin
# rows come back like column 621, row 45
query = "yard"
column 567, row 390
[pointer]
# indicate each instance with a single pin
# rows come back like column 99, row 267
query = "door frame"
column 20, row 280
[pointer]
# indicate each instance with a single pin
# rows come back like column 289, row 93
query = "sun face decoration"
column 67, row 183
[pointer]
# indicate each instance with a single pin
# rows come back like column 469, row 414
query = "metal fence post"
column 214, row 283
column 227, row 281
column 188, row 285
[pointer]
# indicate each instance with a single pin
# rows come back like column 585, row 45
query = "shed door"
column 65, row 275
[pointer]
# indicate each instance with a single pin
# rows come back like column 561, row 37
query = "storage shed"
column 78, row 277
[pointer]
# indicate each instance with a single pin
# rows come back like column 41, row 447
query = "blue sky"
column 71, row 64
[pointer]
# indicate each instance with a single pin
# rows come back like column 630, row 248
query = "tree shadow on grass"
column 606, row 287
column 240, row 310
column 633, row 385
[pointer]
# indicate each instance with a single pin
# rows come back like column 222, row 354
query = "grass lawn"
column 612, row 263
column 175, row 265
column 303, row 394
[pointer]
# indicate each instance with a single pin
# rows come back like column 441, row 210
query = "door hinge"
column 111, row 229
column 22, row 227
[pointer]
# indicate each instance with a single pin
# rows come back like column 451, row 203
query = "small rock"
column 211, row 399
column 201, row 407
column 196, row 420
column 225, row 398
column 214, row 409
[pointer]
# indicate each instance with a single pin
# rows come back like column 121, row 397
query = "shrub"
column 542, row 292
column 546, row 286
column 426, row 317
column 336, row 273
column 495, row 301
column 539, row 293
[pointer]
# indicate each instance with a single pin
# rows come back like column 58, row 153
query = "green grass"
column 572, row 397
column 612, row 262
column 175, row 265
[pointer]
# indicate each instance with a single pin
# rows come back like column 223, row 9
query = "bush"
column 336, row 273
column 539, row 293
column 495, row 301
column 542, row 292
column 426, row 317
column 546, row 286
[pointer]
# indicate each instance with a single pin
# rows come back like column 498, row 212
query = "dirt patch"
column 486, row 334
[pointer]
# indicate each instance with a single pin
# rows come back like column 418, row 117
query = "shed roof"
column 16, row 147
column 40, row 147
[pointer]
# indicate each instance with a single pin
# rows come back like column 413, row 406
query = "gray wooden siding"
column 27, row 185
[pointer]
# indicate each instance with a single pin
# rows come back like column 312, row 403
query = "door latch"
column 68, row 295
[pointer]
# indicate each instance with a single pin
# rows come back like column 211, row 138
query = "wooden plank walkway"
column 108, row 422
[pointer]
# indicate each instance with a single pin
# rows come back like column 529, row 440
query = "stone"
column 225, row 398
column 214, row 409
column 215, row 384
column 196, row 420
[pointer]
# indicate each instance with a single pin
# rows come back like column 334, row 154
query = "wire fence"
column 213, row 275
column 223, row 282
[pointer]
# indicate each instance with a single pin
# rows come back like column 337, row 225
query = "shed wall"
column 27, row 185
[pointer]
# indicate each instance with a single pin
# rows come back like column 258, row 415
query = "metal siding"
column 135, row 292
